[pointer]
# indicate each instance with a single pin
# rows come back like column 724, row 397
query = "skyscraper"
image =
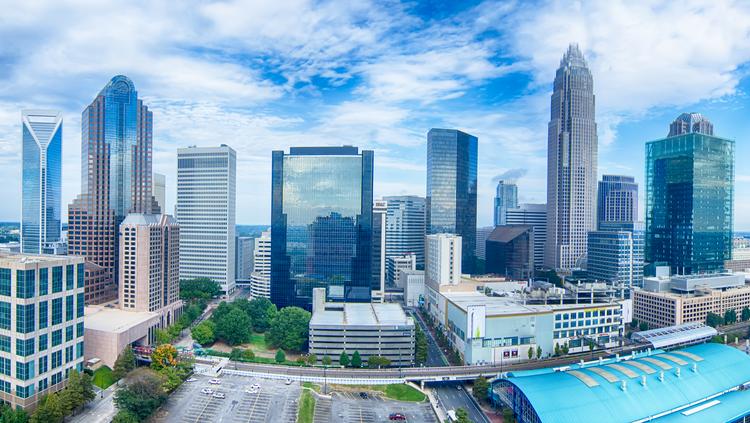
column 260, row 279
column 206, row 200
column 506, row 197
column 243, row 257
column 452, row 188
column 617, row 200
column 690, row 197
column 615, row 254
column 160, row 191
column 116, row 151
column 536, row 216
column 379, row 211
column 321, row 224
column 404, row 230
column 571, row 163
column 41, row 180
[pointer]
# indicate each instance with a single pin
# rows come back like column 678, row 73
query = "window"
column 80, row 276
column 43, row 281
column 4, row 315
column 79, row 305
column 43, row 342
column 5, row 282
column 24, row 371
column 57, row 311
column 43, row 363
column 24, row 391
column 5, row 366
column 5, row 343
column 57, row 279
column 25, row 282
column 56, row 378
column 43, row 315
column 42, row 384
column 69, row 354
column 25, row 318
column 79, row 329
column 56, row 337
column 79, row 349
column 70, row 276
column 69, row 308
column 56, row 359
column 5, row 386
column 69, row 333
column 24, row 347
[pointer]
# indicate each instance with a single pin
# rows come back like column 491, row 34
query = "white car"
column 251, row 391
column 207, row 391
column 192, row 379
column 219, row 395
column 214, row 382
column 288, row 382
column 255, row 387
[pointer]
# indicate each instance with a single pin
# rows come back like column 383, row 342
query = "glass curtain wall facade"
column 404, row 230
column 617, row 200
column 321, row 221
column 41, row 180
column 452, row 188
column 615, row 254
column 506, row 197
column 689, row 202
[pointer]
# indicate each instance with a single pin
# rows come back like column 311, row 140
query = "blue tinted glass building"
column 615, row 254
column 321, row 220
column 41, row 179
column 690, row 198
column 452, row 188
column 506, row 197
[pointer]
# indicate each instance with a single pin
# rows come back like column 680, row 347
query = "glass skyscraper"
column 506, row 197
column 690, row 197
column 321, row 221
column 571, row 163
column 452, row 188
column 404, row 231
column 615, row 254
column 617, row 200
column 41, row 180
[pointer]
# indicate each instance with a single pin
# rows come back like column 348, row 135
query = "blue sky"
column 265, row 75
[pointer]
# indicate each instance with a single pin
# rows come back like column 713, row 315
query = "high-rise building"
column 510, row 251
column 321, row 221
column 379, row 211
column 617, row 200
column 150, row 265
column 41, row 180
column 116, row 151
column 243, row 257
column 615, row 254
column 41, row 317
column 481, row 240
column 571, row 163
column 536, row 216
column 452, row 188
column 399, row 263
column 160, row 191
column 506, row 197
column 404, row 230
column 443, row 259
column 206, row 199
column 690, row 198
column 260, row 279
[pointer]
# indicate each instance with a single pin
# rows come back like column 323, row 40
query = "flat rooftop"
column 19, row 258
column 500, row 306
column 110, row 319
column 362, row 314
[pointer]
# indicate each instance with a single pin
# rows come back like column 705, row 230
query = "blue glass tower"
column 506, row 197
column 321, row 221
column 452, row 188
column 41, row 180
column 690, row 197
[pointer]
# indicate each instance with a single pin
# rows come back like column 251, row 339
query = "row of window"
column 26, row 316
column 42, row 384
column 26, row 281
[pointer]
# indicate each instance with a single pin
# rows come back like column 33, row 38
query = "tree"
column 280, row 356
column 123, row 416
column 199, row 288
column 248, row 354
column 538, row 352
column 376, row 362
column 327, row 361
column 565, row 348
column 591, row 347
column 356, row 360
column 289, row 329
column 745, row 314
column 730, row 317
column 714, row 320
column 633, row 324
column 163, row 336
column 79, row 391
column 557, row 349
column 234, row 327
column 462, row 416
column 163, row 356
column 262, row 312
column 344, row 359
column 530, row 353
column 643, row 326
column 420, row 353
column 312, row 359
column 124, row 364
column 204, row 332
column 480, row 389
column 143, row 393
column 49, row 410
column 236, row 354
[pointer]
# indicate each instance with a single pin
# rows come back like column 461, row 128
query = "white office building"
column 260, row 279
column 412, row 282
column 405, row 230
column 206, row 184
column 379, row 209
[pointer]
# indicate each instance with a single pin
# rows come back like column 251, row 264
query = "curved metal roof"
column 710, row 370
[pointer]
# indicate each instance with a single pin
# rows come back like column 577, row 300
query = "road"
column 451, row 398
column 435, row 356
column 98, row 410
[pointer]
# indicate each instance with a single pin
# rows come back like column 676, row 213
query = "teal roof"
column 594, row 393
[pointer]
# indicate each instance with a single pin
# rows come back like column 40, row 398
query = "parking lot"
column 275, row 402
column 351, row 408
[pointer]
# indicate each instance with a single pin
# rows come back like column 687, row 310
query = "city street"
column 451, row 398
column 99, row 409
column 435, row 356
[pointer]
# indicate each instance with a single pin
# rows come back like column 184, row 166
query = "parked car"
column 207, row 391
column 288, row 382
column 396, row 416
column 363, row 395
column 219, row 395
column 214, row 382
column 192, row 379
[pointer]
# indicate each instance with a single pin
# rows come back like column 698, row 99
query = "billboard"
column 475, row 321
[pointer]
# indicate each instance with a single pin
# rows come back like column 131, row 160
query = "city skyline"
column 372, row 82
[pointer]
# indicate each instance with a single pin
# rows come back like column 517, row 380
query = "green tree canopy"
column 143, row 393
column 233, row 327
column 204, row 332
column 344, row 359
column 125, row 417
column 745, row 314
column 198, row 288
column 462, row 416
column 289, row 329
column 356, row 360
column 312, row 359
column 262, row 311
column 714, row 320
column 327, row 361
column 730, row 317
column 164, row 356
column 280, row 356
column 480, row 388
column 125, row 363
column 50, row 410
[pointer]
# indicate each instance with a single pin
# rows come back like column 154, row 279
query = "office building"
column 482, row 234
column 669, row 301
column 150, row 265
column 571, row 163
column 615, row 254
column 379, row 212
column 41, row 180
column 536, row 216
column 510, row 251
column 160, row 191
column 740, row 261
column 116, row 147
column 372, row 329
column 443, row 259
column 506, row 197
column 690, row 198
column 405, row 230
column 244, row 247
column 206, row 200
column 321, row 221
column 617, row 200
column 260, row 279
column 399, row 263
column 41, row 320
column 412, row 282
column 452, row 188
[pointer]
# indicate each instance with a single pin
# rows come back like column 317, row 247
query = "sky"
column 266, row 75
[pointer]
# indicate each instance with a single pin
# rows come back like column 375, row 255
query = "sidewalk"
column 101, row 409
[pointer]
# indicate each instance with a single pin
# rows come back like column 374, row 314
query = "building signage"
column 475, row 317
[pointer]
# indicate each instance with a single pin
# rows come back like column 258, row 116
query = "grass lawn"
column 396, row 391
column 310, row 385
column 103, row 377
column 306, row 407
column 258, row 342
